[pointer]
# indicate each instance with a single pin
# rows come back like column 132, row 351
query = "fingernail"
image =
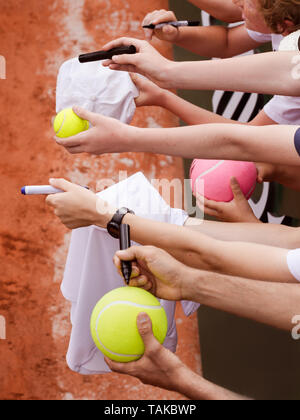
column 143, row 318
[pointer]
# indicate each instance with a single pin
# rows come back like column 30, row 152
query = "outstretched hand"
column 155, row 271
column 78, row 207
column 158, row 366
column 107, row 135
column 150, row 93
column 147, row 61
column 167, row 33
column 237, row 211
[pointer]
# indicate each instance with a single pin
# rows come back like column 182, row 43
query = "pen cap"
column 125, row 241
column 106, row 55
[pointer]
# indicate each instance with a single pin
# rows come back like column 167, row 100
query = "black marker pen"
column 176, row 24
column 106, row 55
column 125, row 243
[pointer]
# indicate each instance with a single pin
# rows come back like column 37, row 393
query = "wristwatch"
column 113, row 227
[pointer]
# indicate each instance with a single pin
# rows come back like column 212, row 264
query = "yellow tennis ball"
column 67, row 124
column 114, row 323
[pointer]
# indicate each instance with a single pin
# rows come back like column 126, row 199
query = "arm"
column 224, row 10
column 245, row 74
column 208, row 41
column 152, row 95
column 283, row 174
column 216, row 41
column 160, row 367
column 195, row 249
column 250, row 260
column 270, row 144
column 260, row 233
column 268, row 303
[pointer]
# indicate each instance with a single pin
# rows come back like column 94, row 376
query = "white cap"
column 290, row 42
column 97, row 89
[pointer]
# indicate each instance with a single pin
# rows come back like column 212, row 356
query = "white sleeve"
column 293, row 261
column 284, row 110
column 259, row 37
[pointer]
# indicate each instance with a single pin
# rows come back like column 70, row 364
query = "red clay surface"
column 36, row 37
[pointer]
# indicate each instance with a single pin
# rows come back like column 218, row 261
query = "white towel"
column 97, row 89
column 90, row 273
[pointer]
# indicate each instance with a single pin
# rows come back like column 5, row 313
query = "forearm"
column 245, row 74
column 209, row 41
column 223, row 10
column 189, row 113
column 260, row 233
column 268, row 303
column 203, row 252
column 271, row 144
column 195, row 387
column 285, row 175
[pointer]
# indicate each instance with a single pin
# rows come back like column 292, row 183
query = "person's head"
column 266, row 16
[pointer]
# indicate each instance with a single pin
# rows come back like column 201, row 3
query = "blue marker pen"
column 41, row 190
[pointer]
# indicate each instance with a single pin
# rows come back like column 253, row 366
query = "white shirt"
column 90, row 272
column 284, row 110
column 293, row 261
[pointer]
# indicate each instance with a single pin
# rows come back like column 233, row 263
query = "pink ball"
column 216, row 175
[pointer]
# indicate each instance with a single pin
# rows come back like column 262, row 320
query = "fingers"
column 144, row 326
column 138, row 81
column 236, row 189
column 130, row 254
column 61, row 184
column 209, row 207
column 124, row 41
column 141, row 281
column 119, row 67
column 86, row 115
column 156, row 17
column 118, row 367
column 68, row 142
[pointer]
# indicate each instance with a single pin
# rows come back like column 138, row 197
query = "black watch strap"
column 113, row 226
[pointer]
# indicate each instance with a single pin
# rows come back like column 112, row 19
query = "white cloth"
column 90, row 273
column 293, row 261
column 284, row 110
column 263, row 38
column 97, row 89
column 290, row 42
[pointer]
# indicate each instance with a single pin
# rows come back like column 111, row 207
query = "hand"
column 266, row 172
column 155, row 271
column 168, row 32
column 107, row 135
column 147, row 61
column 150, row 94
column 158, row 366
column 237, row 211
column 78, row 207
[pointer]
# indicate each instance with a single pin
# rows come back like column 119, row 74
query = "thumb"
column 85, row 114
column 144, row 325
column 169, row 32
column 148, row 34
column 129, row 254
column 61, row 184
column 236, row 189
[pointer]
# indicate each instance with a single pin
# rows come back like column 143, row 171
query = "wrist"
column 168, row 75
column 196, row 285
